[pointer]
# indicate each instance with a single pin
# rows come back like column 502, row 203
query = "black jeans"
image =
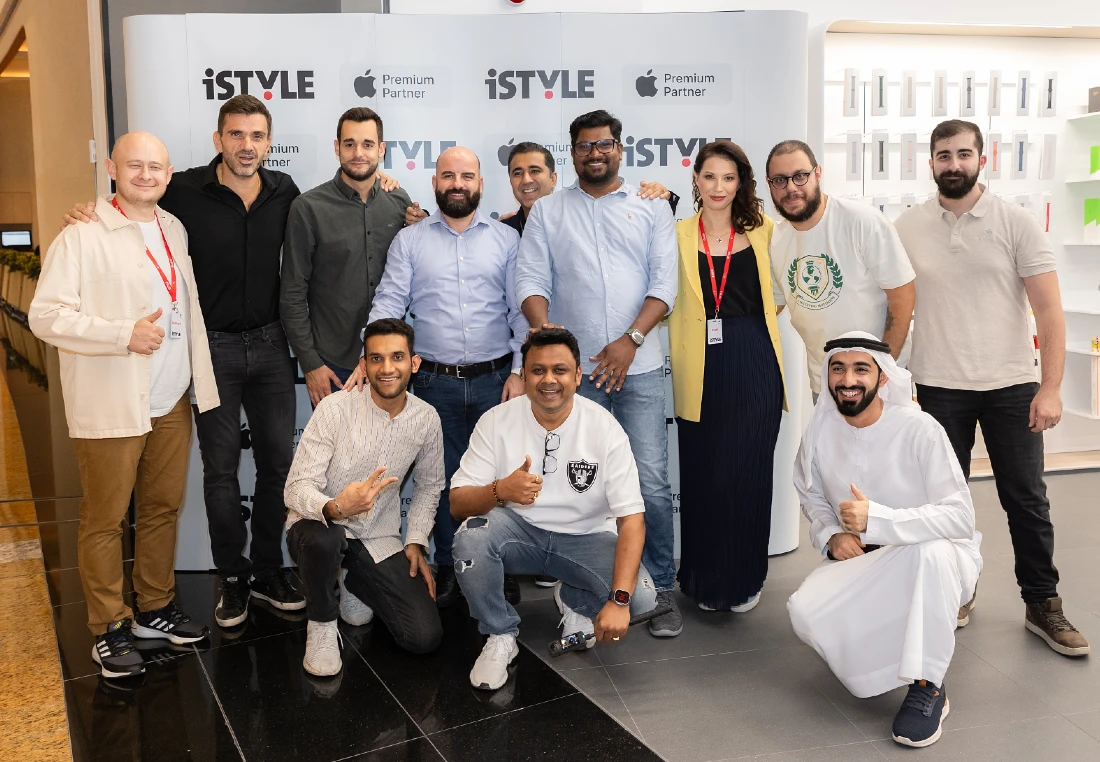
column 253, row 369
column 1016, row 455
column 401, row 601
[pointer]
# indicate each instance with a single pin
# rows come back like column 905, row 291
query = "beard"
column 237, row 169
column 457, row 208
column 359, row 175
column 813, row 203
column 956, row 185
column 852, row 408
column 595, row 175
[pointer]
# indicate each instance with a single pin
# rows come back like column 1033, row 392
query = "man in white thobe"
column 889, row 506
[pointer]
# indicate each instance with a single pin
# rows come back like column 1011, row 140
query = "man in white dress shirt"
column 888, row 504
column 345, row 505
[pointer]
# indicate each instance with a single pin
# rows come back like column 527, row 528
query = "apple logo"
column 364, row 85
column 503, row 151
column 644, row 85
column 246, row 437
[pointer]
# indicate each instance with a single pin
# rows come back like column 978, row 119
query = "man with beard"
column 888, row 504
column 980, row 262
column 335, row 253
column 235, row 212
column 602, row 261
column 549, row 486
column 836, row 263
column 345, row 534
column 455, row 273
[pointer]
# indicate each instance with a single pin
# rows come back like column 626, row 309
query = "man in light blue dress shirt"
column 601, row 261
column 455, row 274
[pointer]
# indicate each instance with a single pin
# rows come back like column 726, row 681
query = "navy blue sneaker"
column 919, row 722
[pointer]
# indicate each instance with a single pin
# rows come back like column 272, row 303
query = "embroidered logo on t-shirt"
column 815, row 281
column 582, row 474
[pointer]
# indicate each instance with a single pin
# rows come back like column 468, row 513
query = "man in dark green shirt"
column 334, row 254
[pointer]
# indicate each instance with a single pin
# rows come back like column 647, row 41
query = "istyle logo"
column 292, row 85
column 678, row 84
column 416, row 153
column 661, row 152
column 566, row 83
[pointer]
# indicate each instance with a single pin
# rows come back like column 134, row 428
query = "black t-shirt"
column 742, row 296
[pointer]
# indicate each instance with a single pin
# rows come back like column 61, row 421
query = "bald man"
column 455, row 272
column 117, row 297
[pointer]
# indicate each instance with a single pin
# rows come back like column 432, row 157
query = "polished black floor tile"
column 435, row 688
column 280, row 712
column 570, row 729
column 169, row 714
column 420, row 750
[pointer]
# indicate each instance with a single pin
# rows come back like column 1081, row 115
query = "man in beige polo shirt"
column 117, row 298
column 979, row 262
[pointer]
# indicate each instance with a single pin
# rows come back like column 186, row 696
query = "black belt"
column 466, row 371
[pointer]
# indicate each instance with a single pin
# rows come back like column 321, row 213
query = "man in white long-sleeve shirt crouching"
column 888, row 503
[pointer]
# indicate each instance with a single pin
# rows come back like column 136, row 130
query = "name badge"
column 714, row 331
column 175, row 330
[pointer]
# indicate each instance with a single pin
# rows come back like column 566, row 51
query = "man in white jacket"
column 888, row 504
column 117, row 297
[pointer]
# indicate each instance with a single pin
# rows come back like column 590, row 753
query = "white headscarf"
column 898, row 390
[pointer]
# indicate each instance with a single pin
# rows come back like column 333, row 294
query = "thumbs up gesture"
column 521, row 486
column 358, row 497
column 414, row 214
column 853, row 513
column 147, row 335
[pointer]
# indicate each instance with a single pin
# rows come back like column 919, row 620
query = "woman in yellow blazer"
column 727, row 382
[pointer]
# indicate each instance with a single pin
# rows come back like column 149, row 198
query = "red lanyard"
column 715, row 290
column 171, row 287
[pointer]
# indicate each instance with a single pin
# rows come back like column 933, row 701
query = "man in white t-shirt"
column 549, row 486
column 836, row 263
column 980, row 262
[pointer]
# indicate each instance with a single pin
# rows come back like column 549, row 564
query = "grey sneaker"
column 667, row 625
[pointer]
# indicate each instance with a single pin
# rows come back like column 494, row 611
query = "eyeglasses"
column 603, row 146
column 779, row 182
column 549, row 462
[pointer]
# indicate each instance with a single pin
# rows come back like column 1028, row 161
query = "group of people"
column 535, row 431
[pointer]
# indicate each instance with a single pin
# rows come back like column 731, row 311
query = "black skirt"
column 726, row 468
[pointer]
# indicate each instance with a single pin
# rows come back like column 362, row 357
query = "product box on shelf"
column 1094, row 99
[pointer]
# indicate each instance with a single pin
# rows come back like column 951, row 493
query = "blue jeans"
column 460, row 403
column 639, row 407
column 500, row 542
column 342, row 373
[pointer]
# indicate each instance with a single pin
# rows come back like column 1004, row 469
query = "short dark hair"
column 747, row 211
column 953, row 127
column 593, row 119
column 786, row 147
column 548, row 337
column 388, row 327
column 246, row 105
column 529, row 147
column 359, row 114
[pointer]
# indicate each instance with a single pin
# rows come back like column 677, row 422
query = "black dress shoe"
column 446, row 587
column 511, row 589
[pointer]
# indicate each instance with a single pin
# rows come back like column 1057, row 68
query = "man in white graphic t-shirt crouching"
column 549, row 486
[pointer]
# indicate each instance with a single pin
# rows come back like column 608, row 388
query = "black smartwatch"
column 619, row 597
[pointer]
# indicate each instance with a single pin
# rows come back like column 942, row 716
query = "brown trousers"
column 154, row 468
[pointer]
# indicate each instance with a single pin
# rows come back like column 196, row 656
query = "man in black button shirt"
column 335, row 253
column 235, row 213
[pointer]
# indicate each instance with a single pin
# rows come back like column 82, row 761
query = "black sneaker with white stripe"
column 232, row 606
column 169, row 623
column 114, row 652
column 274, row 587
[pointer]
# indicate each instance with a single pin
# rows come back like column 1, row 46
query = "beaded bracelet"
column 495, row 495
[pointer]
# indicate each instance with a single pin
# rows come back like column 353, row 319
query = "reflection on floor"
column 731, row 687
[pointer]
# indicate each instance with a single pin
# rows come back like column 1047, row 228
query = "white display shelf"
column 1081, row 414
column 1093, row 118
column 1082, row 349
column 1083, row 180
column 1081, row 244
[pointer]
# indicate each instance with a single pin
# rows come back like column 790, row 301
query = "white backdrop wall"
column 484, row 82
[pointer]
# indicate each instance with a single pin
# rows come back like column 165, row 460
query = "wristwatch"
column 620, row 597
column 636, row 336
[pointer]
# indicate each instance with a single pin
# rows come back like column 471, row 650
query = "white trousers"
column 887, row 618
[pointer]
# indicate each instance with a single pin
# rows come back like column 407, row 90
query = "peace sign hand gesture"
column 358, row 497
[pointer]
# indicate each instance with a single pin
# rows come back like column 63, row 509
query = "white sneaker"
column 323, row 643
column 572, row 622
column 491, row 668
column 352, row 610
column 748, row 605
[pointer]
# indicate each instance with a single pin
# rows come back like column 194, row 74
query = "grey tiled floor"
column 743, row 686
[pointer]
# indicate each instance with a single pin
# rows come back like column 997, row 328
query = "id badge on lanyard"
column 714, row 331
column 714, row 325
column 176, row 327
column 175, row 324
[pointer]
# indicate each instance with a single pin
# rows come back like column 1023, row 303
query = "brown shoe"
column 1048, row 622
column 965, row 609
